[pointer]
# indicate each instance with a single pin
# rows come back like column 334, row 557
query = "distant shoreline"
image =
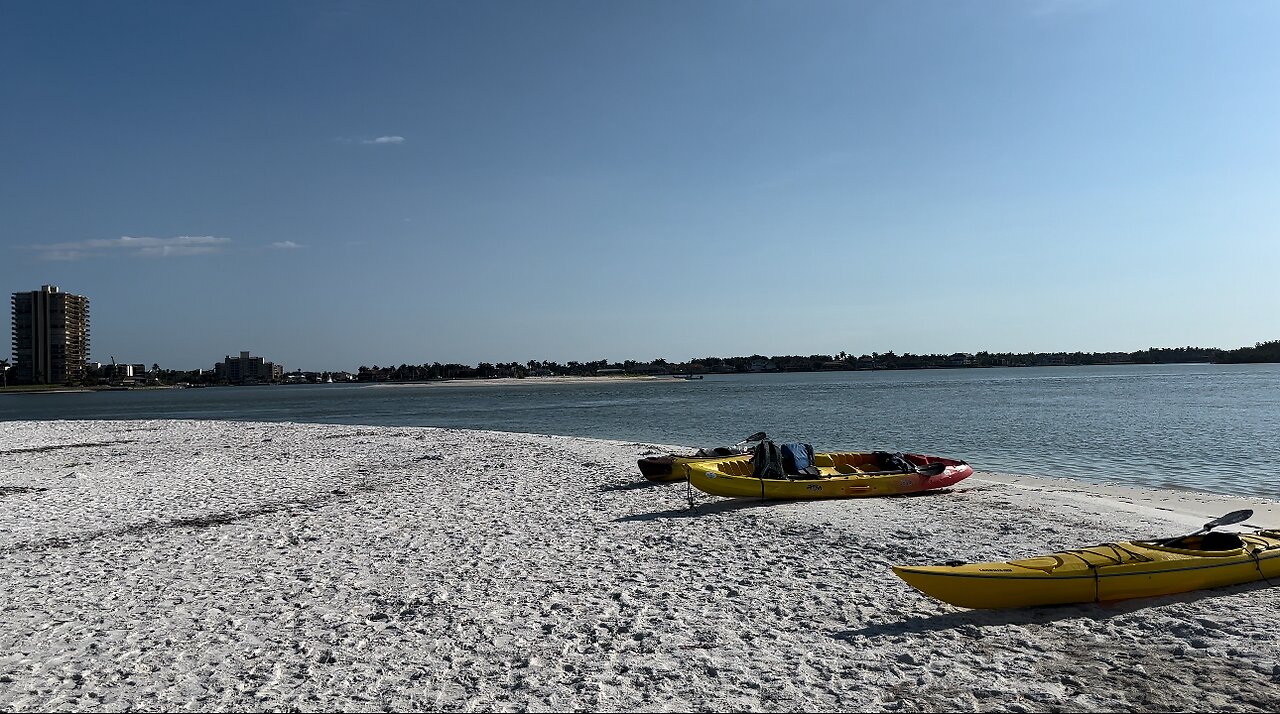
column 570, row 378
column 506, row 381
column 493, row 381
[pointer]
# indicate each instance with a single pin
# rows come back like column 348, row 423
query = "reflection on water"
column 1209, row 427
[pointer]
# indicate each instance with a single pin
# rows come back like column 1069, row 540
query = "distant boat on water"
column 687, row 376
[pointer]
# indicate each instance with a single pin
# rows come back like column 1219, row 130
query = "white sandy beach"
column 184, row 565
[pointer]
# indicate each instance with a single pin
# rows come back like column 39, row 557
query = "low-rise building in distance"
column 247, row 369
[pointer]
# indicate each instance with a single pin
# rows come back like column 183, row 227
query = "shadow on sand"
column 638, row 485
column 703, row 509
column 1035, row 615
column 737, row 504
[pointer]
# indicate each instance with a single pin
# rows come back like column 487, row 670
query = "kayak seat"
column 798, row 461
column 1214, row 540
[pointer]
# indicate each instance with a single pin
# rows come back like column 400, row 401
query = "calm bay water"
column 1208, row 427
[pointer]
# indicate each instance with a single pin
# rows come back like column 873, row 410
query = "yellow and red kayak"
column 841, row 474
column 672, row 468
column 1106, row 572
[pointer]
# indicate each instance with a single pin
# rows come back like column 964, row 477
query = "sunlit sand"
column 166, row 565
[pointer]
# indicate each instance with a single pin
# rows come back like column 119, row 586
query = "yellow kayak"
column 841, row 474
column 668, row 468
column 1101, row 573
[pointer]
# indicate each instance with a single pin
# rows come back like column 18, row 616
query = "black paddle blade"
column 1232, row 517
column 932, row 469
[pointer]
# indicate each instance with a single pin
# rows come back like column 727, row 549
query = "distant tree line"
column 1262, row 352
column 110, row 375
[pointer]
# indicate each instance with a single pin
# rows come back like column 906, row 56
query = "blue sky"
column 331, row 184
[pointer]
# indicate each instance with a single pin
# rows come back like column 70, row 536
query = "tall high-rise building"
column 50, row 336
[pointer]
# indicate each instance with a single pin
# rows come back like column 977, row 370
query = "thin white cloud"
column 286, row 245
column 375, row 141
column 133, row 245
